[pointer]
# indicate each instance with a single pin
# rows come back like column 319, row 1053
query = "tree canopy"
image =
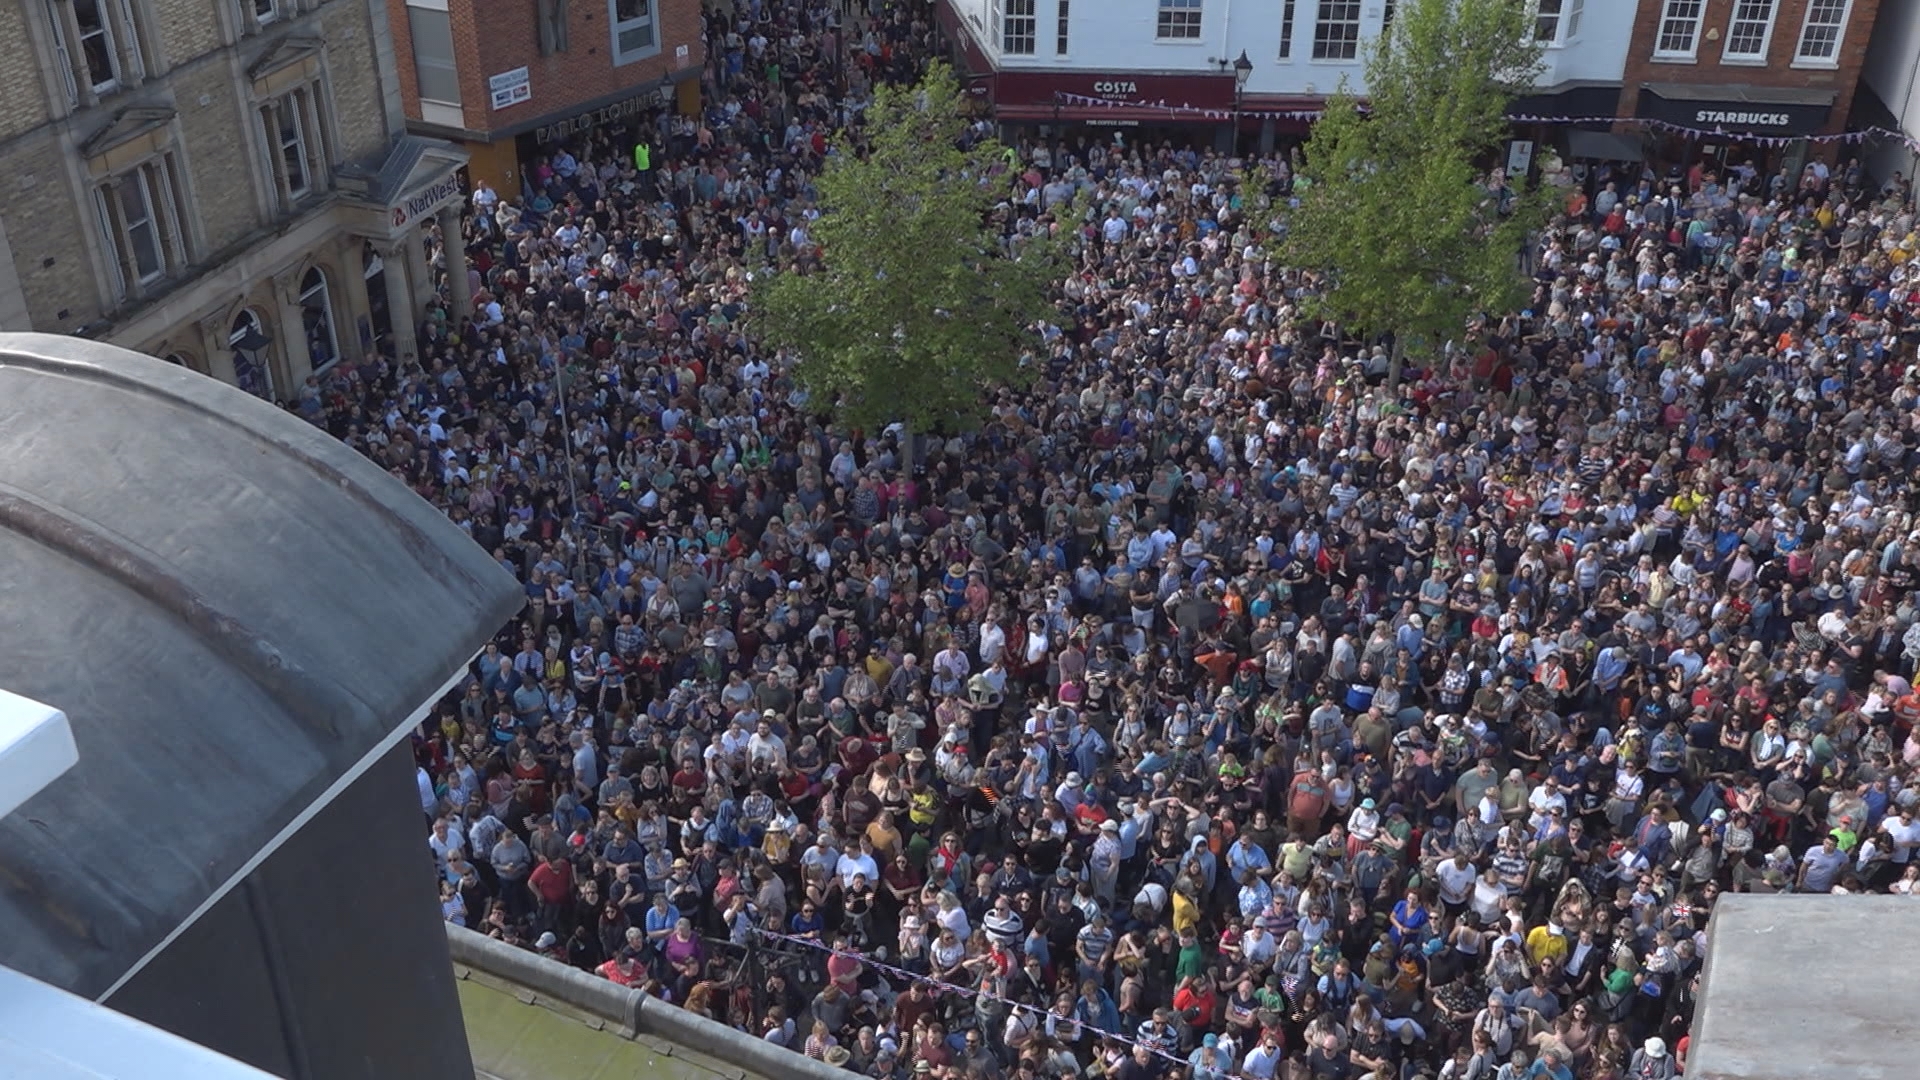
column 918, row 300
column 1398, row 214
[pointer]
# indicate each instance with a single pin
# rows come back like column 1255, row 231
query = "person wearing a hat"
column 1651, row 1061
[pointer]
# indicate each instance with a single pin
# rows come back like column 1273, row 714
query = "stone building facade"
column 226, row 184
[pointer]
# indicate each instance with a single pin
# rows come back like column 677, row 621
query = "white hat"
column 1656, row 1047
column 1109, row 825
column 1074, row 780
column 546, row 941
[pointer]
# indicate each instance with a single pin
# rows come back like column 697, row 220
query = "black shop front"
column 1722, row 126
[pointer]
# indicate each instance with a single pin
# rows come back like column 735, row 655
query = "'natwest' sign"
column 425, row 201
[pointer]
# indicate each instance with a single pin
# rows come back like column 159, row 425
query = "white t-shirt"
column 855, row 862
column 1487, row 898
column 1542, row 801
column 1455, row 881
column 1905, row 837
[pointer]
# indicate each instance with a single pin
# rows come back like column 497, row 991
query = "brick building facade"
column 226, row 184
column 507, row 78
column 1747, row 70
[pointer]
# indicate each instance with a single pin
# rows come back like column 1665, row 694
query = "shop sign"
column 510, row 88
column 1742, row 119
column 1519, row 157
column 1734, row 115
column 619, row 111
column 1197, row 91
column 425, row 201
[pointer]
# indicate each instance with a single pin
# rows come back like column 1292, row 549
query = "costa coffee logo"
column 1116, row 87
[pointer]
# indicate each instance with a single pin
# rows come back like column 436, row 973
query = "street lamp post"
column 1242, row 69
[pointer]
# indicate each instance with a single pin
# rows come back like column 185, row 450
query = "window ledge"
column 1675, row 58
column 1743, row 61
column 1817, row 65
column 1194, row 41
column 444, row 113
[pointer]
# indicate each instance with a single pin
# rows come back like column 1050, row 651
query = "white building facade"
column 1890, row 81
column 1170, row 62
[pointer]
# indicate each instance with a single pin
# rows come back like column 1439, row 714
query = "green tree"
column 1396, row 213
column 918, row 301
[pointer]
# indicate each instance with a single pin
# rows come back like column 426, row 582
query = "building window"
column 1557, row 22
column 98, row 51
column 434, row 69
column 1179, row 20
column 265, row 11
column 1286, row 29
column 1019, row 27
column 552, row 16
column 1820, row 37
column 1679, row 32
column 1386, row 17
column 316, row 320
column 290, row 137
column 1750, row 30
column 633, row 30
column 1336, row 30
column 1060, row 31
column 296, row 143
column 140, row 215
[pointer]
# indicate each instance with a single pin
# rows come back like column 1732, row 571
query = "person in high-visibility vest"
column 642, row 156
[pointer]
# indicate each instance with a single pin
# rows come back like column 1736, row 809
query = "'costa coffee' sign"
column 1199, row 90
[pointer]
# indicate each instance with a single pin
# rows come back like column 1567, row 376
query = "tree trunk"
column 1394, row 360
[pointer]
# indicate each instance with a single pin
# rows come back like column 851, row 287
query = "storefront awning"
column 1737, row 109
column 1602, row 146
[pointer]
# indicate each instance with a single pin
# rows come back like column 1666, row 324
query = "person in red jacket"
column 623, row 969
column 552, row 885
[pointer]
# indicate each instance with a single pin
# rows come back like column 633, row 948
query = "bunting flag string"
column 964, row 991
column 1214, row 113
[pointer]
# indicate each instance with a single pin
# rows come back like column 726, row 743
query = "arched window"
column 316, row 317
column 252, row 366
column 374, row 268
column 178, row 360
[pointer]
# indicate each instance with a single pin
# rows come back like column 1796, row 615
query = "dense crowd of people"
column 1215, row 710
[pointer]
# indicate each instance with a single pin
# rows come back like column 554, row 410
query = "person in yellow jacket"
column 1186, row 911
column 1547, row 941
